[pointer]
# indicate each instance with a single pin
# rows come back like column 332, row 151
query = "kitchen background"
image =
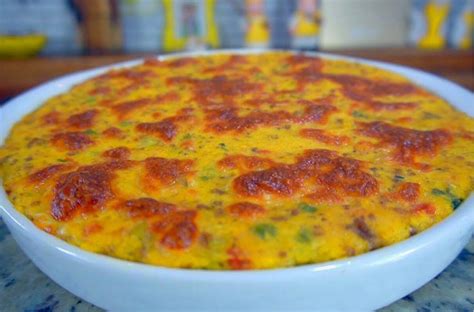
column 43, row 39
column 77, row 27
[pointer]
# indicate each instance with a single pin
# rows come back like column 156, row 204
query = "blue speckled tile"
column 452, row 290
column 3, row 231
column 24, row 288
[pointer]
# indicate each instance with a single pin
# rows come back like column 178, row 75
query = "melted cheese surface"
column 239, row 162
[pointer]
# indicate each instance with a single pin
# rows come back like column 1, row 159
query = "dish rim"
column 464, row 213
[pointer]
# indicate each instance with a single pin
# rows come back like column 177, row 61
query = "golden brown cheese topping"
column 239, row 161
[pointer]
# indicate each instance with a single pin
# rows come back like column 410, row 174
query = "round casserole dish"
column 364, row 282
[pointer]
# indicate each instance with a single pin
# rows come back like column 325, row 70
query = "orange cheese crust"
column 231, row 162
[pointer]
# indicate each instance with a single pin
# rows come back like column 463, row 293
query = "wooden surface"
column 19, row 75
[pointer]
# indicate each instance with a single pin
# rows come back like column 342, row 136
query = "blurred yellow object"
column 306, row 26
column 189, row 25
column 466, row 41
column 436, row 17
column 257, row 32
column 21, row 46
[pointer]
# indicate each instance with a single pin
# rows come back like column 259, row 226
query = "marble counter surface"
column 24, row 288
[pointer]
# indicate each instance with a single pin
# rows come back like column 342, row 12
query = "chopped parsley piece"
column 208, row 173
column 307, row 208
column 304, row 236
column 359, row 114
column 90, row 132
column 436, row 191
column 90, row 101
column 265, row 230
column 61, row 160
column 187, row 136
column 126, row 123
column 223, row 147
column 205, row 178
column 455, row 200
column 398, row 177
column 147, row 141
column 429, row 115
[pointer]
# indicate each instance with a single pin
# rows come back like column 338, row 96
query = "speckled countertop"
column 24, row 288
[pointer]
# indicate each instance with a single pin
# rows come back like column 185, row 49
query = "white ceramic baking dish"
column 360, row 283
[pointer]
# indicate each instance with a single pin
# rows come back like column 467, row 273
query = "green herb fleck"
column 142, row 233
column 223, row 147
column 147, row 141
column 187, row 136
column 265, row 230
column 90, row 101
column 307, row 208
column 304, row 236
column 436, row 191
column 428, row 115
column 61, row 160
column 126, row 123
column 398, row 177
column 359, row 114
column 205, row 178
column 455, row 200
column 90, row 132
